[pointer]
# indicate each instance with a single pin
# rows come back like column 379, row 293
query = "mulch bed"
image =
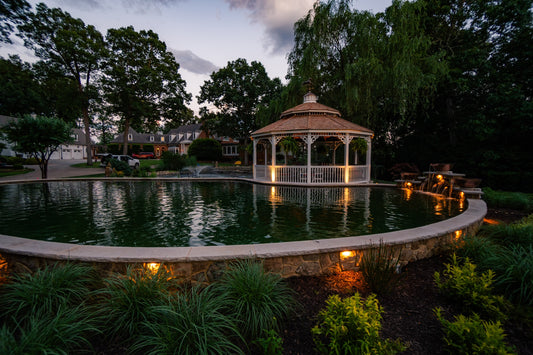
column 408, row 309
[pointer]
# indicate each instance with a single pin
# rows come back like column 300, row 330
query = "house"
column 177, row 140
column 76, row 149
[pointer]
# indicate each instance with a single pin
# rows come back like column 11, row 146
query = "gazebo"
column 311, row 144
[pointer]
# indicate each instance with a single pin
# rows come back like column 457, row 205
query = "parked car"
column 144, row 155
column 132, row 162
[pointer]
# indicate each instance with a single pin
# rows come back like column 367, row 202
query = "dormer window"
column 75, row 137
column 130, row 136
column 162, row 139
column 151, row 138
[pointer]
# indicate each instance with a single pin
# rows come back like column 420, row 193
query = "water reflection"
column 208, row 213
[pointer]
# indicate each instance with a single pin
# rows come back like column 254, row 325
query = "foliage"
column 172, row 161
column 237, row 91
column 352, row 326
column 503, row 199
column 11, row 12
column 473, row 291
column 290, row 145
column 128, row 300
column 141, row 82
column 271, row 343
column 39, row 137
column 70, row 48
column 359, row 145
column 205, row 149
column 256, row 299
column 472, row 335
column 190, row 323
column 46, row 291
column 120, row 167
column 380, row 268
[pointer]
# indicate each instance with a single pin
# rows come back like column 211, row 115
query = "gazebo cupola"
column 312, row 144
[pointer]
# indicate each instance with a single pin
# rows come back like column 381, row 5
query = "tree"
column 205, row 149
column 71, row 47
column 11, row 12
column 141, row 83
column 237, row 91
column 39, row 137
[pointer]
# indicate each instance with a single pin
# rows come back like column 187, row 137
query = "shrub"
column 504, row 199
column 31, row 161
column 46, row 291
column 257, row 300
column 352, row 326
column 511, row 234
column 471, row 290
column 472, row 335
column 477, row 249
column 379, row 267
column 128, row 300
column 121, row 166
column 205, row 149
column 191, row 323
column 271, row 343
column 173, row 161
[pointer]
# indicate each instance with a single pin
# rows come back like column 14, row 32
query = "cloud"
column 191, row 62
column 136, row 6
column 278, row 17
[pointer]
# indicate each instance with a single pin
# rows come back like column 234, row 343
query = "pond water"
column 196, row 213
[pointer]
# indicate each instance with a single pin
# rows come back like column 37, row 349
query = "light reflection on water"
column 159, row 213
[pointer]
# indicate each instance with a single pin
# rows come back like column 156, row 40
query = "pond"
column 203, row 213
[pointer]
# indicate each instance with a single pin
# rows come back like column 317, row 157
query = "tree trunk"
column 88, row 144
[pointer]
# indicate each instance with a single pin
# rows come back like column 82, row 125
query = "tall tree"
column 68, row 45
column 237, row 91
column 38, row 136
column 11, row 12
column 142, row 84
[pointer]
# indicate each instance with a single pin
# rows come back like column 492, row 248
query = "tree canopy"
column 11, row 12
column 39, row 137
column 141, row 81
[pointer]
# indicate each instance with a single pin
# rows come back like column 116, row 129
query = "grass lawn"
column 150, row 162
column 84, row 165
column 9, row 172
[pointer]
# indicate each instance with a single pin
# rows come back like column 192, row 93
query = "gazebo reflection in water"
column 312, row 145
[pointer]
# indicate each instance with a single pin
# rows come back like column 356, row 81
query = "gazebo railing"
column 319, row 174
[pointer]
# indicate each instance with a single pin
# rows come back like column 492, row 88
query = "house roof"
column 311, row 116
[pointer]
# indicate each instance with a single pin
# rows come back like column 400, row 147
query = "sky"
column 203, row 35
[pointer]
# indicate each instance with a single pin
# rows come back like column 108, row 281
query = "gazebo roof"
column 311, row 116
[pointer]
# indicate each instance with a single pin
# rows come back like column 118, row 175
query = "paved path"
column 56, row 169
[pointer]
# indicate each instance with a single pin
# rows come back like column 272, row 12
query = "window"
column 75, row 137
column 151, row 138
column 230, row 150
column 162, row 139
column 130, row 137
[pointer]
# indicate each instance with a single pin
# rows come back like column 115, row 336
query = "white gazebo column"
column 309, row 142
column 273, row 166
column 368, row 156
column 255, row 157
column 346, row 158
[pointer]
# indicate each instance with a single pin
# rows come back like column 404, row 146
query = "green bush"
column 271, row 343
column 504, row 199
column 15, row 160
column 190, row 323
column 173, row 161
column 31, row 161
column 128, row 300
column 380, row 268
column 478, row 249
column 46, row 291
column 114, row 148
column 473, row 291
column 352, row 326
column 205, row 149
column 121, row 166
column 256, row 299
column 473, row 336
column 509, row 234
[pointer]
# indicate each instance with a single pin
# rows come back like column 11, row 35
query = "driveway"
column 56, row 169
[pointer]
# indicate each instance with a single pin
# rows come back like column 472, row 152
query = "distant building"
column 73, row 150
column 177, row 140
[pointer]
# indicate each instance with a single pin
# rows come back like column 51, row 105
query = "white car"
column 132, row 162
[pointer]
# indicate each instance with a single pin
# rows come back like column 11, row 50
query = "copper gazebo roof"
column 311, row 116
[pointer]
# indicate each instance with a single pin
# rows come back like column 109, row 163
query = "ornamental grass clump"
column 472, row 290
column 470, row 335
column 352, row 326
column 380, row 268
column 192, row 322
column 255, row 299
column 128, row 300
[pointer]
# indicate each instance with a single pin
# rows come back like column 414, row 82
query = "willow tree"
column 375, row 68
column 68, row 45
column 141, row 81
